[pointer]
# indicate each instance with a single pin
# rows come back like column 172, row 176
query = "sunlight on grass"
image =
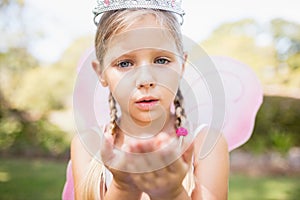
column 4, row 176
column 264, row 188
column 277, row 189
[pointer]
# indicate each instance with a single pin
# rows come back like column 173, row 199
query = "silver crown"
column 167, row 5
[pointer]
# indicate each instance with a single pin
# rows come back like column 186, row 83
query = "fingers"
column 161, row 155
column 146, row 158
column 143, row 146
column 162, row 140
column 149, row 145
column 161, row 152
column 180, row 160
column 112, row 157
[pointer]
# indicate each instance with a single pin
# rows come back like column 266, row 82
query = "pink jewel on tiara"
column 106, row 2
column 181, row 132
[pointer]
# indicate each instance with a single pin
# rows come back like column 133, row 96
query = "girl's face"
column 142, row 68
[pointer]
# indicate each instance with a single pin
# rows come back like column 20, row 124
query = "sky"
column 61, row 21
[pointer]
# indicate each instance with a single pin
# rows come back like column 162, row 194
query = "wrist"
column 116, row 190
column 178, row 194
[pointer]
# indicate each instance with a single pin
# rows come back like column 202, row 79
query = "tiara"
column 167, row 5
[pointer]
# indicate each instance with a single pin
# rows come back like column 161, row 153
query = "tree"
column 272, row 49
column 22, row 131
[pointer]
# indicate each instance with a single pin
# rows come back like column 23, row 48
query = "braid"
column 113, row 114
column 179, row 110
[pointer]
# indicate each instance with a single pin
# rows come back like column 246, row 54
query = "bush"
column 35, row 138
column 277, row 125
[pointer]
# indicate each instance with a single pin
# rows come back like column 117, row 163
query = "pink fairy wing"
column 243, row 97
column 90, row 99
column 68, row 191
column 224, row 94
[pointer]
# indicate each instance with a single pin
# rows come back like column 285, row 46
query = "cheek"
column 114, row 79
column 121, row 86
column 169, row 79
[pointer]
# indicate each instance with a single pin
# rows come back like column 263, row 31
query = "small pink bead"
column 173, row 3
column 181, row 132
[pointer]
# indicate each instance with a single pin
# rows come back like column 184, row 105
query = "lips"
column 147, row 103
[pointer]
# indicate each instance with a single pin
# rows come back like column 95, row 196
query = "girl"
column 140, row 58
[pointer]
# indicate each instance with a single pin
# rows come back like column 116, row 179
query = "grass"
column 264, row 188
column 22, row 179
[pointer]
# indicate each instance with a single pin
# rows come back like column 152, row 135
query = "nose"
column 145, row 79
column 145, row 85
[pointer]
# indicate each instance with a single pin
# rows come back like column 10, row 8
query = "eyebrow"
column 156, row 51
column 129, row 54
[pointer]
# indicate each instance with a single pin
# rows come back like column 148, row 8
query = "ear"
column 184, row 59
column 97, row 69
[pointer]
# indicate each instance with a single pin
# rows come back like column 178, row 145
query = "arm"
column 212, row 173
column 81, row 160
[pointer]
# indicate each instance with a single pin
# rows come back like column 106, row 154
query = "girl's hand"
column 164, row 183
column 128, row 171
column 115, row 161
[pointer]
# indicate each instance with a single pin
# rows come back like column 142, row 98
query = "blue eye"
column 124, row 64
column 161, row 61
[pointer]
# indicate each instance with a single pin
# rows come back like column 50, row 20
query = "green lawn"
column 41, row 179
column 31, row 179
column 264, row 188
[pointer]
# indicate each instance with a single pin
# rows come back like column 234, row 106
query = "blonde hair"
column 110, row 24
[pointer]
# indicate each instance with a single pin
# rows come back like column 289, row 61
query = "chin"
column 148, row 117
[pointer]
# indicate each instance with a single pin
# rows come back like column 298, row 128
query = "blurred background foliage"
column 32, row 92
column 273, row 52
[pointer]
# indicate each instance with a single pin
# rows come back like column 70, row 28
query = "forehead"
column 144, row 38
column 145, row 32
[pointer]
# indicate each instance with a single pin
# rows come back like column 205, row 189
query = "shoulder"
column 209, row 143
column 77, row 147
column 80, row 157
column 85, row 145
column 75, row 143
